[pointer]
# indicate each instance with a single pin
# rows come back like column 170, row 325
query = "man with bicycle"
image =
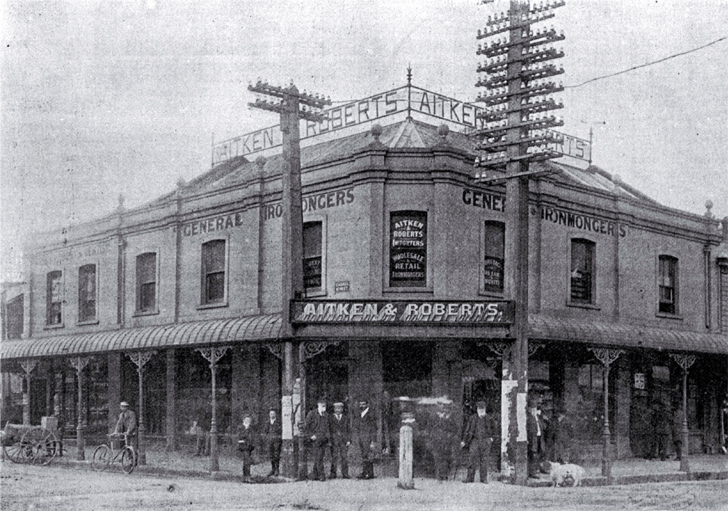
column 127, row 425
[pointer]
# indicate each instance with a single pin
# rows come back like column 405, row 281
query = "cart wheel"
column 40, row 445
column 16, row 452
column 101, row 458
column 128, row 459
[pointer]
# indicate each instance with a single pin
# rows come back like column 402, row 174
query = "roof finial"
column 409, row 75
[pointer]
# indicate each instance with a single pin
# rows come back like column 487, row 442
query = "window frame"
column 675, row 267
column 482, row 289
column 204, row 301
column 427, row 287
column 591, row 301
column 322, row 289
column 49, row 297
column 94, row 318
column 138, row 310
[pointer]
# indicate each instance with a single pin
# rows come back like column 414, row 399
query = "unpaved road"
column 56, row 488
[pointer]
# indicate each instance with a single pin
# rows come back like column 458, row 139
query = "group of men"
column 322, row 431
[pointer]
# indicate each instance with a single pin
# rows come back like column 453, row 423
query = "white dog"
column 560, row 472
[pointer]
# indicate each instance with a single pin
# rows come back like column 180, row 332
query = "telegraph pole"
column 516, row 132
column 292, row 106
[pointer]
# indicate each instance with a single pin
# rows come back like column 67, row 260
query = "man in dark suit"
column 367, row 432
column 317, row 431
column 340, row 441
column 246, row 444
column 535, row 434
column 273, row 435
column 477, row 438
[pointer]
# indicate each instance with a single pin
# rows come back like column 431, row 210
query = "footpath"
column 628, row 471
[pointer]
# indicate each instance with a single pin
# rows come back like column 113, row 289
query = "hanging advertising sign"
column 408, row 249
column 486, row 312
column 493, row 274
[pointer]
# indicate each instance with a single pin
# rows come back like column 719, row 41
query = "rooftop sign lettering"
column 408, row 100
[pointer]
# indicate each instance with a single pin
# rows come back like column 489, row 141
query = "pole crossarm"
column 606, row 356
column 79, row 363
column 28, row 365
column 214, row 354
column 683, row 360
column 140, row 358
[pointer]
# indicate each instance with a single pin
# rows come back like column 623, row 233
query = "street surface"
column 26, row 487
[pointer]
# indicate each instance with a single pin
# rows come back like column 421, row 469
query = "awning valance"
column 198, row 333
column 625, row 335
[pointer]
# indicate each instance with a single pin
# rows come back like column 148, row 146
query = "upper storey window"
column 312, row 255
column 408, row 249
column 493, row 256
column 667, row 284
column 213, row 272
column 582, row 271
column 87, row 293
column 54, row 298
column 146, row 287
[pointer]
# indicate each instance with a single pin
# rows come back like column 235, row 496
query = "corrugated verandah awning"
column 622, row 335
column 198, row 333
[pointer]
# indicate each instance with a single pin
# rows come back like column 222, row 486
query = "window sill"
column 667, row 315
column 216, row 305
column 88, row 322
column 145, row 313
column 54, row 327
column 404, row 290
column 313, row 293
column 578, row 305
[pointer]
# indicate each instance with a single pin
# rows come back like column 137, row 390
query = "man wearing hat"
column 317, row 431
column 535, row 435
column 340, row 440
column 367, row 432
column 126, row 425
column 477, row 438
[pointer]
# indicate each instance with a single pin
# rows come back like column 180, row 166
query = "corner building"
column 406, row 292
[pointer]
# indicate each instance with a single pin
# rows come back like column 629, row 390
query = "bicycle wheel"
column 128, row 460
column 102, row 458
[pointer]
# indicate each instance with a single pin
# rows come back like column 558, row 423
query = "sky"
column 101, row 98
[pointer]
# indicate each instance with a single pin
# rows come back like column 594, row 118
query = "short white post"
column 406, row 481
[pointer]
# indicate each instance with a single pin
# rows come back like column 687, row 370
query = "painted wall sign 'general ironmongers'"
column 493, row 312
column 325, row 200
column 485, row 200
column 407, row 99
column 583, row 222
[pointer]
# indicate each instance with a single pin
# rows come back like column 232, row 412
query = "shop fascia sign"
column 384, row 108
column 409, row 312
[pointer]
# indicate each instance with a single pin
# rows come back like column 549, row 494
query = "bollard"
column 406, row 481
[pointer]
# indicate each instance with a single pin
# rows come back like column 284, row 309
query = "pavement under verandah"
column 626, row 471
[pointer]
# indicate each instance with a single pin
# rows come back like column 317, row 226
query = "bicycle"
column 104, row 455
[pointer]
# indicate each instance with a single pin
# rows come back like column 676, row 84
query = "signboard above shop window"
column 408, row 249
column 479, row 312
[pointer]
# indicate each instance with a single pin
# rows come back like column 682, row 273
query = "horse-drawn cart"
column 31, row 444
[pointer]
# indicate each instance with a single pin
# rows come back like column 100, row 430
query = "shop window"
column 87, row 293
column 312, row 256
column 54, row 298
column 667, row 284
column 213, row 272
column 408, row 249
column 493, row 256
column 591, row 384
column 582, row 271
column 146, row 272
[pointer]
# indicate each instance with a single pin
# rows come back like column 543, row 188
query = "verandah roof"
column 198, row 333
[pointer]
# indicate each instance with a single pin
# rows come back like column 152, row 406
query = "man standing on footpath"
column 477, row 438
column 317, row 431
column 367, row 431
column 535, row 435
column 246, row 444
column 273, row 434
column 340, row 441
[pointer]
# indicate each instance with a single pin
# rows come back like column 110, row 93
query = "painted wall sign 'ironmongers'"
column 494, row 312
